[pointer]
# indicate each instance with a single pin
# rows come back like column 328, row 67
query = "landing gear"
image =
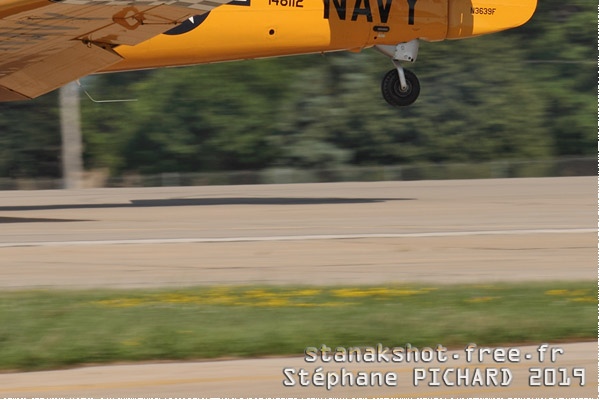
column 397, row 94
column 400, row 87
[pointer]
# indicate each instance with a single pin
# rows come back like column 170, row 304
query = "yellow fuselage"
column 267, row 28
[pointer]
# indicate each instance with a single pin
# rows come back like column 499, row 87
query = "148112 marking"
column 287, row 3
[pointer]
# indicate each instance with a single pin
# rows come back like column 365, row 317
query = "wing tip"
column 9, row 95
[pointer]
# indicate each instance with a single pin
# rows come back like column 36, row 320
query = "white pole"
column 72, row 147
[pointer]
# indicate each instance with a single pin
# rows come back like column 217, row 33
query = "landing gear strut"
column 400, row 87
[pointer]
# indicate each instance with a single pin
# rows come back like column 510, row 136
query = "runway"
column 343, row 233
column 439, row 231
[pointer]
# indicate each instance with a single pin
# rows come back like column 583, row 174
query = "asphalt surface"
column 441, row 231
column 343, row 233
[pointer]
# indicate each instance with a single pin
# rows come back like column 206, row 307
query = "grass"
column 51, row 329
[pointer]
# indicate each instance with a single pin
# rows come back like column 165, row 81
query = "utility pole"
column 72, row 147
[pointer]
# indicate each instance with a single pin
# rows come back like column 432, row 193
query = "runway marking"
column 298, row 237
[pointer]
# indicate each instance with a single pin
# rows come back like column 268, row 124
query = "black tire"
column 394, row 95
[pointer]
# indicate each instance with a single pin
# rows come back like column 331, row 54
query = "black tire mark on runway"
column 268, row 201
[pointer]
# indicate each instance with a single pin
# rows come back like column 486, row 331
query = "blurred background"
column 519, row 103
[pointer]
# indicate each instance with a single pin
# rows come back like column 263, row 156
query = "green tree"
column 30, row 138
column 524, row 94
column 562, row 44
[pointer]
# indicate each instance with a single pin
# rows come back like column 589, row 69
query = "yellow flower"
column 556, row 292
column 579, row 292
column 304, row 292
column 258, row 293
column 350, row 293
column 335, row 304
column 585, row 299
column 178, row 298
column 272, row 303
column 222, row 300
column 119, row 302
column 483, row 299
column 377, row 292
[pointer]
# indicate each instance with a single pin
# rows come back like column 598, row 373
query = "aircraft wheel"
column 393, row 93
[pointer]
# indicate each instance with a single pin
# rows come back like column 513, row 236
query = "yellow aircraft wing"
column 46, row 44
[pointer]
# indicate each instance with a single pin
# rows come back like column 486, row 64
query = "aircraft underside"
column 46, row 44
